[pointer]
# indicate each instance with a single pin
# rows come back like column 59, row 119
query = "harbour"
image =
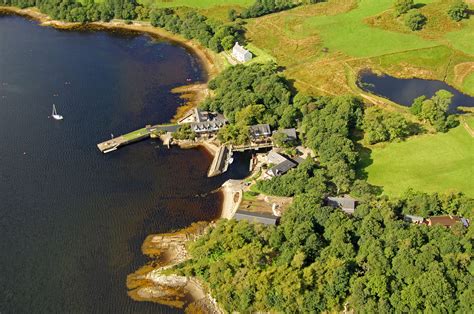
column 82, row 216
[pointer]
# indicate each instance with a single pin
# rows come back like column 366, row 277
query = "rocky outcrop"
column 155, row 283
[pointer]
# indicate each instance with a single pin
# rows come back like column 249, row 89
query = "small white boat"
column 231, row 160
column 55, row 114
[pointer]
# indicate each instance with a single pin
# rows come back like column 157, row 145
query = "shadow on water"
column 404, row 91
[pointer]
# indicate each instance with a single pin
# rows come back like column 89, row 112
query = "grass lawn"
column 135, row 134
column 431, row 163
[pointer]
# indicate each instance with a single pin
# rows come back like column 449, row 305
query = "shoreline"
column 153, row 282
column 208, row 61
column 192, row 94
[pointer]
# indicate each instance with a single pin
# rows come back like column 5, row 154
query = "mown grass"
column 135, row 134
column 442, row 162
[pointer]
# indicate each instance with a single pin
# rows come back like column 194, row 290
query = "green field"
column 429, row 163
column 469, row 84
column 320, row 44
column 200, row 4
column 348, row 33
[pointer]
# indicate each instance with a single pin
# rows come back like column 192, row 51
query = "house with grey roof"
column 260, row 132
column 207, row 127
column 241, row 54
column 290, row 134
column 281, row 168
column 263, row 218
column 274, row 158
column 196, row 115
column 346, row 203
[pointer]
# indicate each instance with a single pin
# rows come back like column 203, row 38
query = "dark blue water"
column 404, row 91
column 72, row 220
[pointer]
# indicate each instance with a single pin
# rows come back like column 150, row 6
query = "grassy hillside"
column 430, row 163
column 323, row 45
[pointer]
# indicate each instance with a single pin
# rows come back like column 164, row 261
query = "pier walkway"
column 220, row 163
column 242, row 148
column 135, row 136
column 114, row 143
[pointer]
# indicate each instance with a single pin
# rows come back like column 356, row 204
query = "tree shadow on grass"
column 365, row 160
column 418, row 5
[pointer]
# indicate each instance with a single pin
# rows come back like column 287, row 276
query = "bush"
column 415, row 20
column 184, row 133
column 403, row 6
column 381, row 126
column 458, row 11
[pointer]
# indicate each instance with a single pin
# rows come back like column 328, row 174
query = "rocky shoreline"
column 154, row 282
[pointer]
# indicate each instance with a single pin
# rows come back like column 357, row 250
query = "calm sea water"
column 72, row 220
column 404, row 91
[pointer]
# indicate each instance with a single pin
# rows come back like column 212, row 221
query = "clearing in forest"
column 442, row 162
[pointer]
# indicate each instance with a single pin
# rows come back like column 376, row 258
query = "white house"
column 240, row 53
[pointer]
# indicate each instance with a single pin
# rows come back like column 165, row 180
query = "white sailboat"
column 55, row 114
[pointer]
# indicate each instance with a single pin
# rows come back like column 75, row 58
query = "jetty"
column 135, row 136
column 220, row 163
column 114, row 143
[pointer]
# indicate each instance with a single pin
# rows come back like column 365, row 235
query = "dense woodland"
column 320, row 259
column 213, row 35
column 85, row 11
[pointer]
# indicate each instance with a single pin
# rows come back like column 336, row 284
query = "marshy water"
column 404, row 91
column 72, row 220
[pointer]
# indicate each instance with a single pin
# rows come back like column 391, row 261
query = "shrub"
column 458, row 11
column 403, row 6
column 415, row 20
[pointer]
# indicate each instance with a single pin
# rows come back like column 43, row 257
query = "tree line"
column 85, row 11
column 193, row 25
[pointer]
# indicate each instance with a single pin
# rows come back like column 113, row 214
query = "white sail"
column 55, row 114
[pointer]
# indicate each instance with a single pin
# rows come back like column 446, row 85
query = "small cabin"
column 241, row 54
column 346, row 203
